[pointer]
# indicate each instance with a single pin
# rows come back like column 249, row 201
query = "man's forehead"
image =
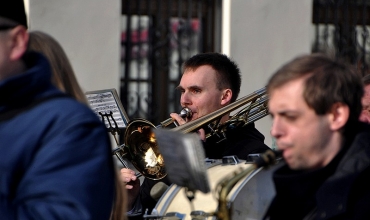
column 296, row 85
column 195, row 68
column 200, row 74
column 288, row 94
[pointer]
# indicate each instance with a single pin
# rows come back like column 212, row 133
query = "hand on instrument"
column 202, row 134
column 182, row 121
column 178, row 118
column 132, row 184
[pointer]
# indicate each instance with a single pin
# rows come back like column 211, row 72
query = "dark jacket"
column 55, row 154
column 240, row 141
column 338, row 191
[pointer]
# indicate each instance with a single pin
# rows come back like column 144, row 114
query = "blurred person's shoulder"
column 65, row 108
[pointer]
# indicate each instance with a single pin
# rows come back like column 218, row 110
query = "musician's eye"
column 290, row 117
column 196, row 91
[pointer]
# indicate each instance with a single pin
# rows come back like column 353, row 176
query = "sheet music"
column 106, row 101
column 184, row 156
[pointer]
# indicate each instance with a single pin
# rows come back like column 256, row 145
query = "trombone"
column 140, row 129
column 140, row 145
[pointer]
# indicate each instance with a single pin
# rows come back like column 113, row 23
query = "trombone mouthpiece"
column 186, row 113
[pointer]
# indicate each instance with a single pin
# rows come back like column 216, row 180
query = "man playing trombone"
column 210, row 81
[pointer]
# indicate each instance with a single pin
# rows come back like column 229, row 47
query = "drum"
column 248, row 199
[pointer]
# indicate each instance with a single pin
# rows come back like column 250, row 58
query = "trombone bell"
column 143, row 150
column 141, row 146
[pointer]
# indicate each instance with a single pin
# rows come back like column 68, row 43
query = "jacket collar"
column 25, row 86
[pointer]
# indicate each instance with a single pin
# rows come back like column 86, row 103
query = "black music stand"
column 106, row 104
column 184, row 157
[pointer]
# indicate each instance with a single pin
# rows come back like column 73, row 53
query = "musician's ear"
column 338, row 116
column 226, row 96
column 19, row 39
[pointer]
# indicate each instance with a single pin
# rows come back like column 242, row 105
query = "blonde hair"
column 63, row 75
column 119, row 207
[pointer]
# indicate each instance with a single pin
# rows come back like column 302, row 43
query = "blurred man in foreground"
column 55, row 155
column 315, row 103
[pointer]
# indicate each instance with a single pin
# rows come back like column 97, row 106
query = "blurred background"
column 137, row 46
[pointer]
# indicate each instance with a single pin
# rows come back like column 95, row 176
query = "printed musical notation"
column 106, row 101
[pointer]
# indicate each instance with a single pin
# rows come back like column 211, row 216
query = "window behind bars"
column 157, row 36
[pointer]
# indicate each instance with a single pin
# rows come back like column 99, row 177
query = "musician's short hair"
column 327, row 81
column 228, row 71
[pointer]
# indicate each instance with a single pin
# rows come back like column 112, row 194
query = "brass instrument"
column 185, row 113
column 140, row 143
column 255, row 109
column 141, row 148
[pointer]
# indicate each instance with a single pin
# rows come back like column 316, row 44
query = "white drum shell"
column 248, row 199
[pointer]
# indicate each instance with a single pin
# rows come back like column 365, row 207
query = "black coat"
column 240, row 141
column 338, row 191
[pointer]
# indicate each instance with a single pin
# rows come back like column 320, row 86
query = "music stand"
column 107, row 105
column 184, row 157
